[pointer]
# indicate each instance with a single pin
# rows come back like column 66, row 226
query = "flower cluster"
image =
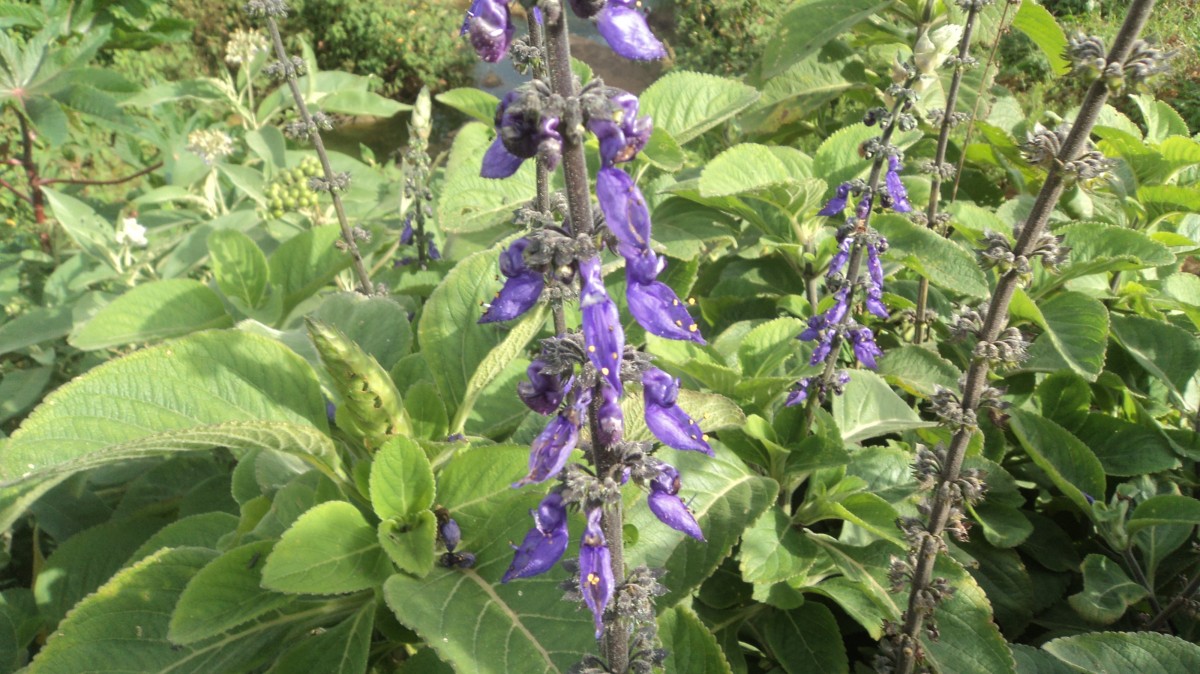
column 489, row 27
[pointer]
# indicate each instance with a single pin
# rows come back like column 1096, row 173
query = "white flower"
column 132, row 232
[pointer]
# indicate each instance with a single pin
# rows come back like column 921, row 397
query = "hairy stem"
column 360, row 269
column 614, row 646
column 994, row 322
column 537, row 39
column 939, row 158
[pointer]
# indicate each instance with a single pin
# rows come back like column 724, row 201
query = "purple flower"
column 550, row 450
column 586, row 9
column 655, row 306
column 626, row 31
column 668, row 507
column 622, row 134
column 895, row 189
column 498, row 162
column 596, row 580
column 433, row 252
column 543, row 393
column 838, row 262
column 624, row 208
column 450, row 533
column 864, row 208
column 799, row 393
column 838, row 203
column 602, row 332
column 406, row 234
column 545, row 543
column 522, row 131
column 609, row 418
column 522, row 289
column 670, row 424
column 490, row 27
column 875, row 302
column 865, row 349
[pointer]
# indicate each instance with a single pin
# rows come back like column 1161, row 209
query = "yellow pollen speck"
column 593, row 579
column 692, row 327
column 604, row 371
column 691, row 301
column 694, row 437
column 704, row 437
column 675, row 303
column 615, row 356
column 591, row 348
column 679, row 323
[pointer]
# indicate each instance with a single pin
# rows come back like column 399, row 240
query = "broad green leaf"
column 341, row 649
column 409, row 540
column 1039, row 25
column 773, row 550
column 425, row 411
column 808, row 25
column 378, row 325
column 1112, row 439
column 19, row 389
column 869, row 408
column 1125, row 652
column 497, row 360
column 1031, row 660
column 837, row 159
column 1170, row 354
column 1069, row 463
column 1097, row 248
column 969, row 642
column 401, row 479
column 727, row 497
column 1164, row 509
column 799, row 91
column 769, row 345
column 663, row 151
column 1076, row 335
column 471, row 203
column 306, row 262
column 945, row 263
column 1107, row 591
column 249, row 181
column 40, row 324
column 362, row 103
column 1161, row 119
column 153, row 311
column 1003, row 526
column 226, row 593
column 747, row 168
column 371, row 406
column 239, row 266
column 331, row 549
column 806, row 639
column 452, row 341
column 472, row 102
column 686, row 104
column 1065, row 399
column 917, row 370
column 196, row 531
column 690, row 645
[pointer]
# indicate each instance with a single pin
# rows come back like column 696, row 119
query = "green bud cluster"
column 289, row 191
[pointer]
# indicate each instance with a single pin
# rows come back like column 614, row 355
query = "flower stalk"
column 904, row 647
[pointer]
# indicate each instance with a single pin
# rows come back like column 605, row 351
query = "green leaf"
column 86, row 228
column 945, row 263
column 471, row 203
column 331, row 549
column 663, row 151
column 748, row 167
column 1164, row 509
column 19, row 389
column 378, row 325
column 809, row 25
column 769, row 346
column 40, row 324
column 773, row 550
column 970, row 642
column 362, row 103
column 306, row 262
column 1076, row 335
column 727, row 497
column 1065, row 399
column 371, row 406
column 401, row 479
column 225, row 594
column 869, row 408
column 153, row 311
column 1097, row 248
column 806, row 639
column 196, row 531
column 1107, row 591
column 917, row 370
column 1111, row 439
column 1069, row 463
column 497, row 360
column 341, row 649
column 239, row 267
column 1039, row 25
column 1170, row 354
column 691, row 647
column 686, row 104
column 802, row 89
column 1031, row 660
column 472, row 102
column 1124, row 652
column 49, row 118
column 409, row 540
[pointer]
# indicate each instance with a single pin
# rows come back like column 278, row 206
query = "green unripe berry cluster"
column 289, row 191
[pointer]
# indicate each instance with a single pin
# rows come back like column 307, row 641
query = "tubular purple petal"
column 839, row 259
column 666, row 420
column 657, row 309
column 875, row 302
column 450, row 533
column 895, row 188
column 837, row 204
column 624, row 207
column 799, row 393
column 550, row 450
column 596, row 580
column 516, row 297
column 668, row 507
column 874, row 267
column 865, row 349
column 545, row 543
column 543, row 393
column 627, row 32
column 490, row 28
column 602, row 331
column 610, row 419
column 498, row 162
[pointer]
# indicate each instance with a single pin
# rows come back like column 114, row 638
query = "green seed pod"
column 277, row 213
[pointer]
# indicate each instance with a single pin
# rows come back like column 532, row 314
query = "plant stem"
column 994, row 322
column 537, row 39
column 360, row 270
column 37, row 198
column 114, row 181
column 939, row 158
column 1140, row 576
column 1176, row 603
column 614, row 646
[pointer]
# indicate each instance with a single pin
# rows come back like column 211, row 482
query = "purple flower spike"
column 864, row 208
column 545, row 543
column 875, row 302
column 622, row 134
column 609, row 417
column 655, row 306
column 838, row 262
column 624, row 208
column 543, row 393
column 668, row 507
column 865, row 349
column 602, row 332
column 522, row 289
column 490, row 27
column 895, row 188
column 670, row 424
column 626, row 31
column 550, row 450
column 406, row 234
column 596, row 580
column 798, row 394
column 838, row 203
